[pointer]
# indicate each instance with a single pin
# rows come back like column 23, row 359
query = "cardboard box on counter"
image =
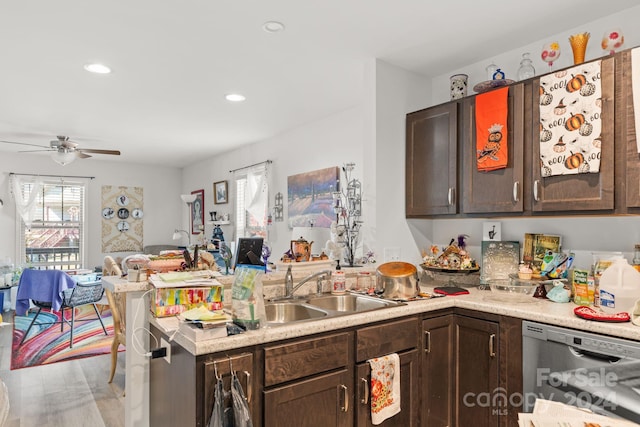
column 171, row 301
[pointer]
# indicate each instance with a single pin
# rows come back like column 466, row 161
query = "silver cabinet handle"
column 492, row 351
column 535, row 190
column 451, row 195
column 427, row 347
column 365, row 384
column 345, row 398
column 249, row 386
column 516, row 191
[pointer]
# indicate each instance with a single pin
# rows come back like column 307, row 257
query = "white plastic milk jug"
column 619, row 287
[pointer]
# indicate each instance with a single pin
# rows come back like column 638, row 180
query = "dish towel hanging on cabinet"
column 385, row 387
column 491, row 130
column 570, row 123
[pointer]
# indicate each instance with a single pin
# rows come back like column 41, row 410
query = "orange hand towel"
column 491, row 129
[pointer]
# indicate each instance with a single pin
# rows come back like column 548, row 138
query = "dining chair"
column 118, row 306
column 81, row 294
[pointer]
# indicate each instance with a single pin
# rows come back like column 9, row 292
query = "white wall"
column 331, row 141
column 161, row 195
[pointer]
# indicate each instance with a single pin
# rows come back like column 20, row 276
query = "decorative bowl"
column 513, row 290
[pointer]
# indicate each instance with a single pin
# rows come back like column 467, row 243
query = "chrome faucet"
column 290, row 289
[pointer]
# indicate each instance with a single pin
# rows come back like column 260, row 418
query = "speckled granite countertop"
column 543, row 311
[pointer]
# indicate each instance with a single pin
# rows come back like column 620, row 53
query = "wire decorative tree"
column 347, row 205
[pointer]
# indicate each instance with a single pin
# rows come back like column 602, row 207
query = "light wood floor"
column 65, row 394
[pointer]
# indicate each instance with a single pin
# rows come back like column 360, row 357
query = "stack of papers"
column 183, row 279
column 554, row 414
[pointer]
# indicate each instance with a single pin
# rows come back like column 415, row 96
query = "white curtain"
column 256, row 196
column 25, row 207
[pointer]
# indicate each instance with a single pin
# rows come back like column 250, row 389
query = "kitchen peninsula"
column 308, row 361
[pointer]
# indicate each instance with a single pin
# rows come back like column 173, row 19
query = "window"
column 252, row 197
column 51, row 229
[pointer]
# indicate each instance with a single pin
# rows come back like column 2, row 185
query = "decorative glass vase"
column 579, row 46
column 526, row 70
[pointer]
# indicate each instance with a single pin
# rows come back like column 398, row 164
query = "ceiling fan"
column 65, row 151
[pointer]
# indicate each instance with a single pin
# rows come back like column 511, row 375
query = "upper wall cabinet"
column 431, row 164
column 499, row 190
column 436, row 135
column 585, row 191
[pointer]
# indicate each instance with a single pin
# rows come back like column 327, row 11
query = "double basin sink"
column 316, row 307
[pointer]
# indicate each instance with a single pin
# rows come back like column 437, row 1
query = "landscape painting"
column 310, row 198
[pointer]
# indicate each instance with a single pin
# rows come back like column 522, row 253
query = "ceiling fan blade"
column 82, row 155
column 35, row 151
column 96, row 151
column 24, row 143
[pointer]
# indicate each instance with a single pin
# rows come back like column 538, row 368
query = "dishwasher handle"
column 578, row 352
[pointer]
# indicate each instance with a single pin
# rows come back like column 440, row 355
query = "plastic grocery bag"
column 241, row 413
column 217, row 415
column 246, row 297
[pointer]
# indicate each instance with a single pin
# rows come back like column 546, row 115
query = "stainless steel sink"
column 350, row 302
column 288, row 312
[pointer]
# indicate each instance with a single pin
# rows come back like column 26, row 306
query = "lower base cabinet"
column 409, row 393
column 324, row 400
column 453, row 365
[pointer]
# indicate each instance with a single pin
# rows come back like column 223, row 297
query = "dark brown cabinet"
column 437, row 371
column 476, row 371
column 582, row 192
column 499, row 190
column 431, row 161
column 392, row 337
column 309, row 382
column 440, row 162
column 324, row 400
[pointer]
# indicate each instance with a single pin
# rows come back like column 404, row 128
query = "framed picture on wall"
column 197, row 212
column 220, row 192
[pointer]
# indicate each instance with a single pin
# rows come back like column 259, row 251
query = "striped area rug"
column 46, row 344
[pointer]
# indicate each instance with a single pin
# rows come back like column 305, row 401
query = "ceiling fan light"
column 63, row 157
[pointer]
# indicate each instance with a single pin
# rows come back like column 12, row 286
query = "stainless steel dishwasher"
column 582, row 369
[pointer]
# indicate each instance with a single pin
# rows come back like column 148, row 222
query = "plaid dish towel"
column 491, row 130
column 385, row 387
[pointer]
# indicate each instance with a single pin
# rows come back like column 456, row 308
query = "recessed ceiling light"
column 273, row 26
column 97, row 68
column 235, row 97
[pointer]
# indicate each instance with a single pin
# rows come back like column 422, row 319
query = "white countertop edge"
column 543, row 311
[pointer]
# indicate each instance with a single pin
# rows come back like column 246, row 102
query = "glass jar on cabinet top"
column 526, row 70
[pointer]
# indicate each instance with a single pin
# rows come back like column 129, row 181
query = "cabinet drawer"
column 392, row 337
column 306, row 357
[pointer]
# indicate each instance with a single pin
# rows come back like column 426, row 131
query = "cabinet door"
column 437, row 372
column 499, row 190
column 582, row 192
column 431, row 164
column 325, row 400
column 476, row 372
column 243, row 366
column 409, row 393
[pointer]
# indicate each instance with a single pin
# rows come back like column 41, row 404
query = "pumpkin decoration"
column 584, row 168
column 546, row 171
column 574, row 160
column 588, row 89
column 559, row 146
column 599, row 102
column 560, row 108
column 545, row 97
column 585, row 129
column 574, row 122
column 576, row 83
column 545, row 134
column 560, row 74
column 597, row 142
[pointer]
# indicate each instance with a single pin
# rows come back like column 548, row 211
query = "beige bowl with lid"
column 397, row 280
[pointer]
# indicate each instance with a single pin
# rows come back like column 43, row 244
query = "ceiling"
column 173, row 62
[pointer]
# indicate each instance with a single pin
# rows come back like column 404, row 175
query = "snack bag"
column 246, row 297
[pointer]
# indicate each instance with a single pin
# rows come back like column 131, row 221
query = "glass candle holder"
column 578, row 44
